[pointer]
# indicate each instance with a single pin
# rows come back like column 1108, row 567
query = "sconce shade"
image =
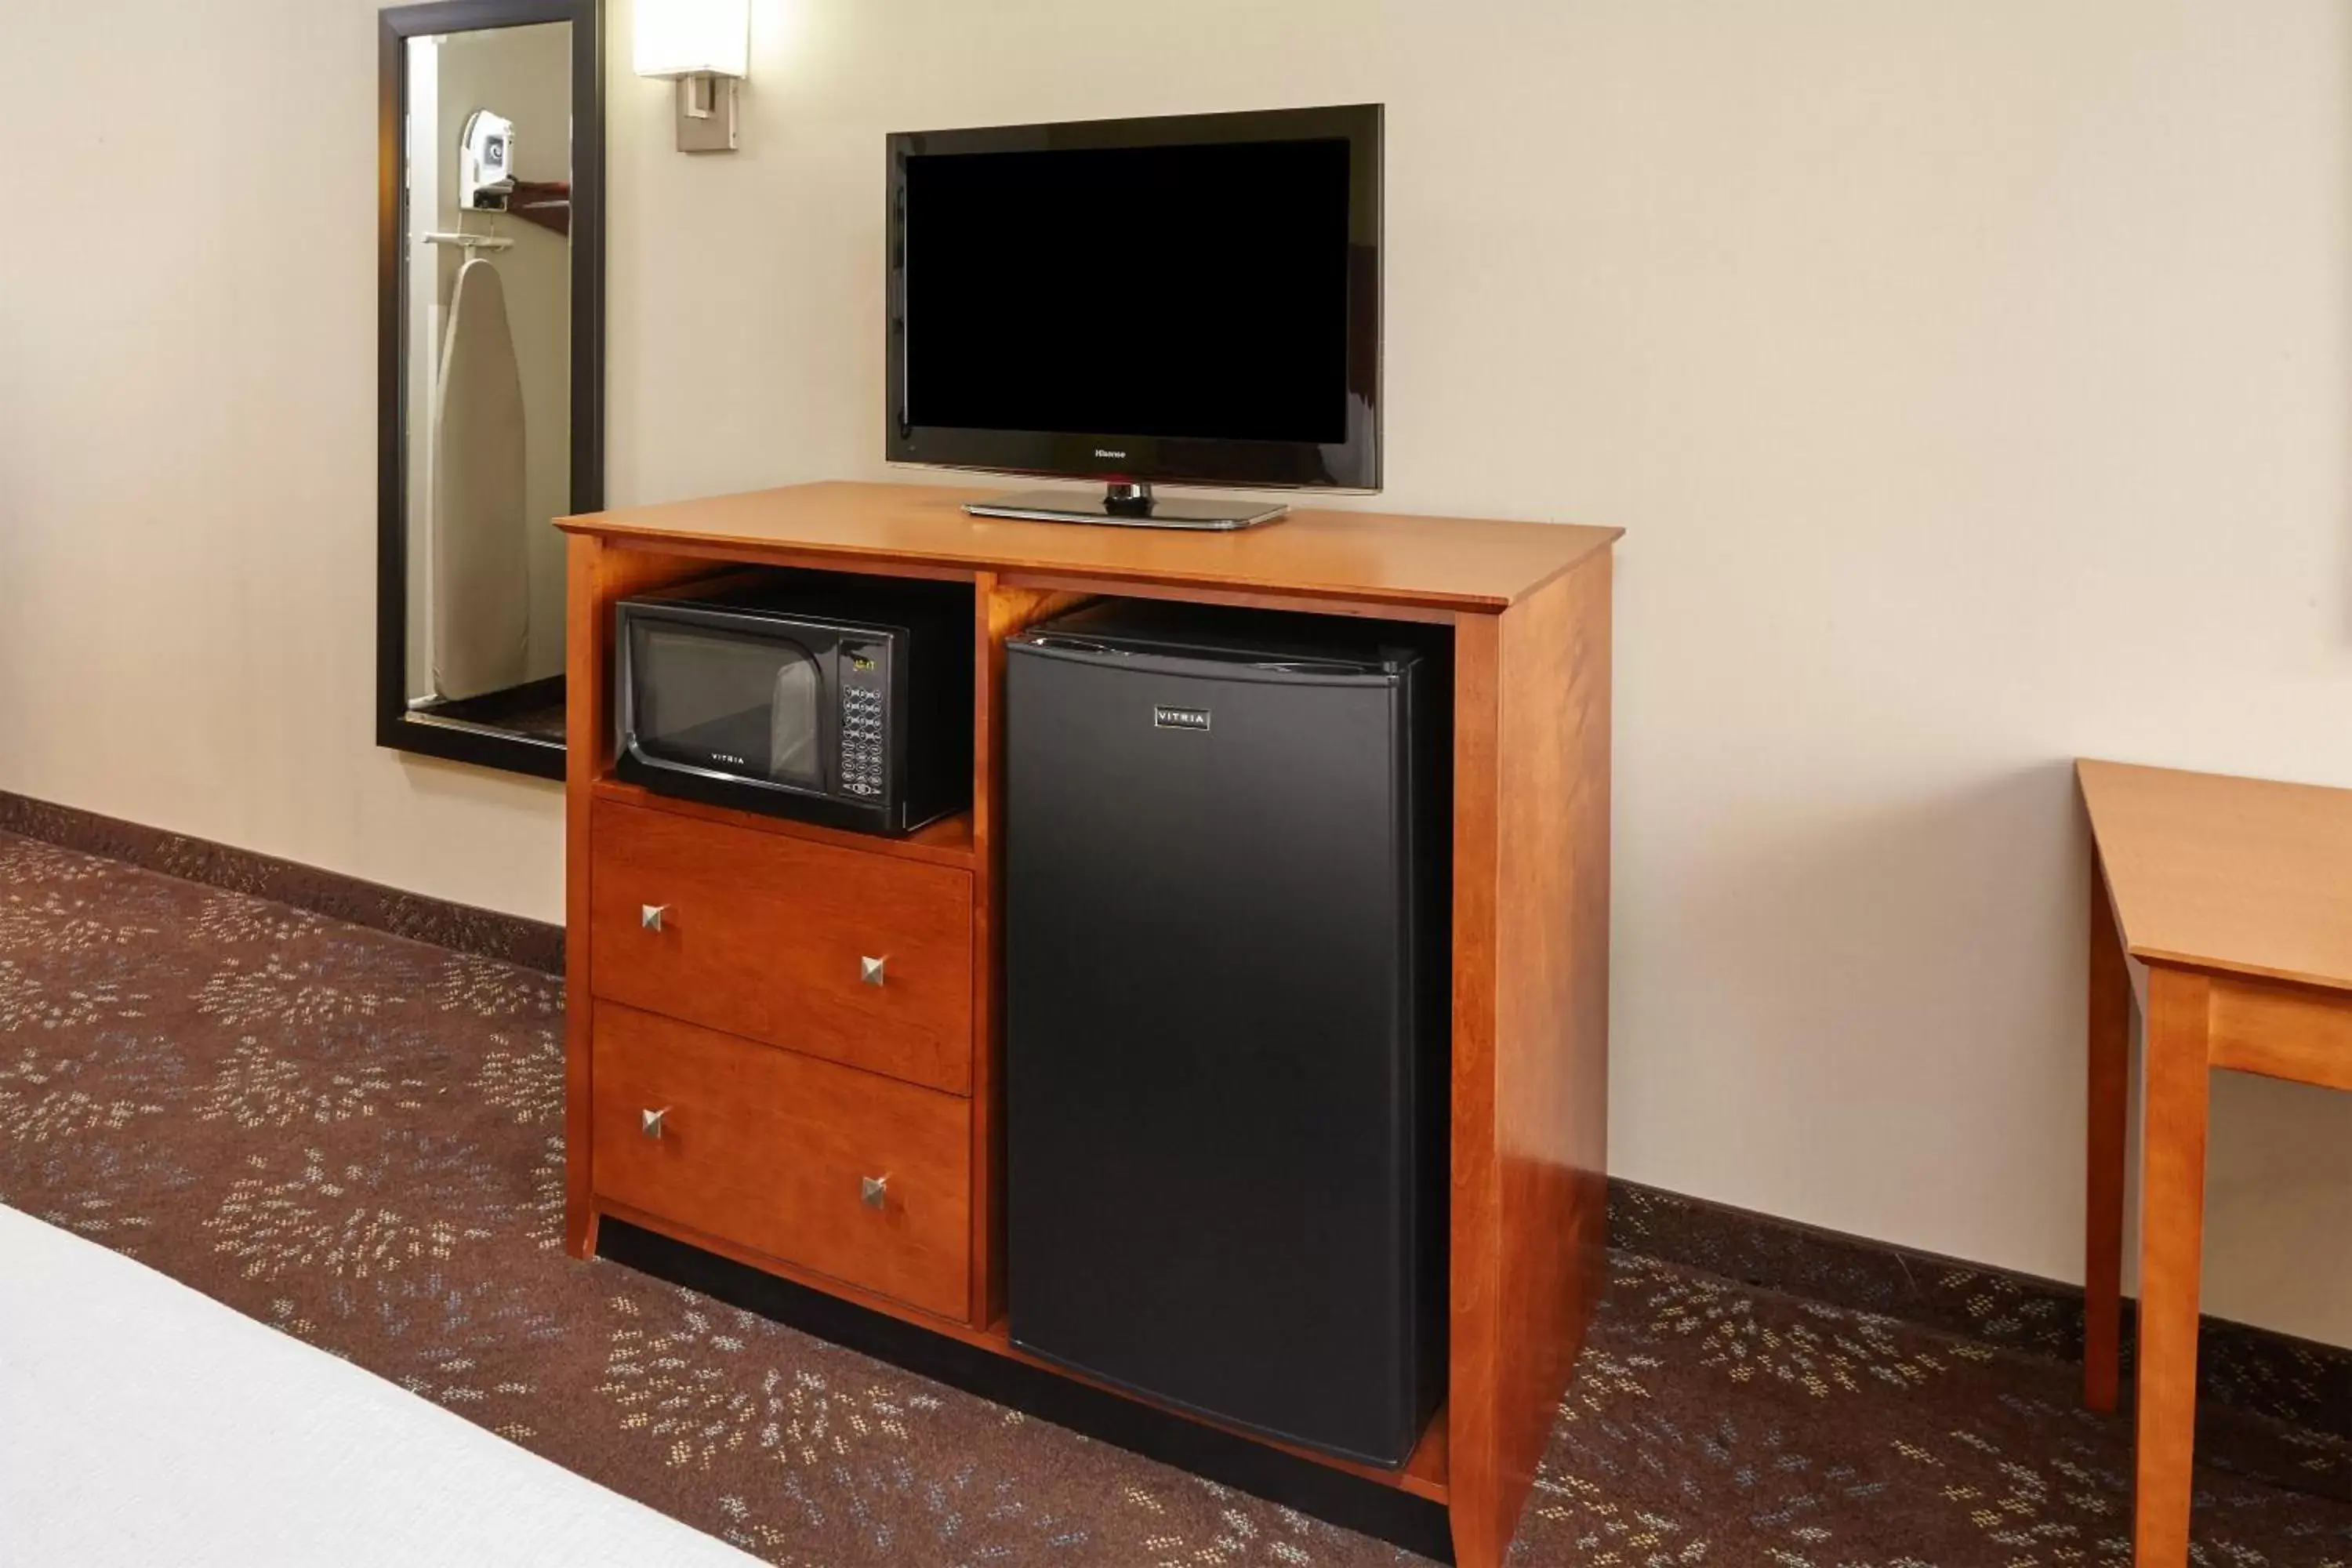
column 692, row 37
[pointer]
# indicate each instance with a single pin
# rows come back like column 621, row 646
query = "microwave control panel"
column 865, row 680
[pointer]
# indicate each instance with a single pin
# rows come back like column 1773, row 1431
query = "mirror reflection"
column 485, row 374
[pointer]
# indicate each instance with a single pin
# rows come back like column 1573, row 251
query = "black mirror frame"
column 510, row 751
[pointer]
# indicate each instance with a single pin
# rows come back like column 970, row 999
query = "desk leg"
column 2110, row 1120
column 2172, row 1230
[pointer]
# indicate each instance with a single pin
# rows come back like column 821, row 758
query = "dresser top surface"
column 1462, row 564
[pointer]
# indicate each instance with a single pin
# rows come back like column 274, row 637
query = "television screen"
column 1194, row 297
column 1222, row 313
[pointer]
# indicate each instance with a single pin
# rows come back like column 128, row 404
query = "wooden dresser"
column 784, row 1042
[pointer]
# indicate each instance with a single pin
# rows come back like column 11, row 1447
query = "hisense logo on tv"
column 1106, row 452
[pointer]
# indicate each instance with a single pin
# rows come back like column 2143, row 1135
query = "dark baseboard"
column 2301, row 1382
column 511, row 938
column 1333, row 1496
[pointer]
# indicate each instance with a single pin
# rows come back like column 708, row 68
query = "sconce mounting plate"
column 708, row 118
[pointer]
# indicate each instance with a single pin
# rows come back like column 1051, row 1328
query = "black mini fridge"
column 1226, row 1013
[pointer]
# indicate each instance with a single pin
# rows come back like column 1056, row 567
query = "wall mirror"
column 490, row 368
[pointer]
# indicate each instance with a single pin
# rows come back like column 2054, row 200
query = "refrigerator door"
column 1211, row 1072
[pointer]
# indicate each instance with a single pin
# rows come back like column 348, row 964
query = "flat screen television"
column 1193, row 298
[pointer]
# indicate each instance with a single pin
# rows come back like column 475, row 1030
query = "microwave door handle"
column 828, row 716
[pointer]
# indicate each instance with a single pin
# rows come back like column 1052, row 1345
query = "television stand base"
column 1132, row 505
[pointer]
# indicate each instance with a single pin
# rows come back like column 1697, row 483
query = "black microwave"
column 841, row 699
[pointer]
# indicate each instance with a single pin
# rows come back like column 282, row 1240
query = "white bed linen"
column 143, row 1424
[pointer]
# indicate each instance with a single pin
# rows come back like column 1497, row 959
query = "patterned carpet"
column 358, row 1139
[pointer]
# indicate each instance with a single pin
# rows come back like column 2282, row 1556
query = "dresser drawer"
column 858, row 957
column 781, row 1153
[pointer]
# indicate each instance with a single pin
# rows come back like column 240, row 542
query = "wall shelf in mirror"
column 469, row 241
column 546, row 203
column 489, row 368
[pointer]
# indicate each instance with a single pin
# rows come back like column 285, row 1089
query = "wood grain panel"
column 2221, row 873
column 1530, row 1039
column 769, row 555
column 583, row 670
column 772, row 1148
column 765, row 935
column 594, row 577
column 947, row 842
column 1447, row 561
column 1080, row 587
column 2305, row 1036
column 1484, row 1516
column 2172, row 1237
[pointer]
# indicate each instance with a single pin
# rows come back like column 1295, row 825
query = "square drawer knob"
column 873, row 1192
column 869, row 970
column 650, row 1122
column 650, row 916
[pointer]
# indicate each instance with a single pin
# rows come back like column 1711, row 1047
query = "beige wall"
column 187, row 447
column 1976, row 381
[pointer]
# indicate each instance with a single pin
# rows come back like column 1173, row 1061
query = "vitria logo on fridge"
column 1179, row 718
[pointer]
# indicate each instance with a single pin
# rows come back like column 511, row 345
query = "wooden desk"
column 757, row 1041
column 2224, row 907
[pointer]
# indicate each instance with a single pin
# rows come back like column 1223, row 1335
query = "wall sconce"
column 705, row 45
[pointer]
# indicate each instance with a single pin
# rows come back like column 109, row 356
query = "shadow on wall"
column 1858, row 992
column 1863, row 995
